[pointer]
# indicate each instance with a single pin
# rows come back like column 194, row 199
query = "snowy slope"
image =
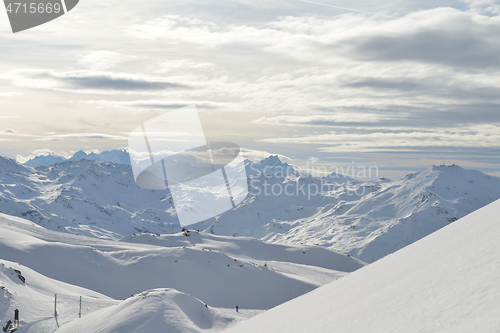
column 34, row 298
column 245, row 248
column 339, row 178
column 158, row 310
column 164, row 310
column 446, row 282
column 367, row 220
column 119, row 269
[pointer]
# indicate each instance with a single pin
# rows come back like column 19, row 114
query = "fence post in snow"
column 80, row 312
column 55, row 306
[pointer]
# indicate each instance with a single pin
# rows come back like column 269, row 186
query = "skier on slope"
column 237, row 307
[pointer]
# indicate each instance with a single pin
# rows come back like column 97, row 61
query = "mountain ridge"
column 113, row 156
column 367, row 220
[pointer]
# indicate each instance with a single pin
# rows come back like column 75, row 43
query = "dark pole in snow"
column 55, row 306
column 80, row 312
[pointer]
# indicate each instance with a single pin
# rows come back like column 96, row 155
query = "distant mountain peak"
column 269, row 165
column 44, row 160
column 443, row 167
column 272, row 160
column 113, row 156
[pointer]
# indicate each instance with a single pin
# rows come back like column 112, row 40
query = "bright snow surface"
column 34, row 299
column 220, row 271
column 445, row 282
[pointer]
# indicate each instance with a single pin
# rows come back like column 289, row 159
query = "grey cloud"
column 106, row 81
column 119, row 84
column 90, row 80
column 162, row 104
column 393, row 118
column 385, row 84
column 471, row 49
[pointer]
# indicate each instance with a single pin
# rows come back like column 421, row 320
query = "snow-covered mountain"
column 269, row 165
column 367, row 220
column 43, row 160
column 197, row 269
column 85, row 197
column 113, row 156
column 446, row 282
column 339, row 178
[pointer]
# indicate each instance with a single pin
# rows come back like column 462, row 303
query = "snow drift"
column 153, row 311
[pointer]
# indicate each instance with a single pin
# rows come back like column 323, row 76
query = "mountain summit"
column 271, row 165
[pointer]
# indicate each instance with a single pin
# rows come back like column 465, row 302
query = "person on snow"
column 16, row 317
column 237, row 308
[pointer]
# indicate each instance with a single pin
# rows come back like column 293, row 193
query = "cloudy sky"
column 398, row 84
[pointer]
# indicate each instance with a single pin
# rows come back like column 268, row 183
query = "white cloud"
column 80, row 137
column 102, row 60
column 180, row 65
column 473, row 137
column 483, row 6
column 11, row 94
column 325, row 120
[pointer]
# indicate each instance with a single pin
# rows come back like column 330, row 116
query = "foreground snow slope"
column 163, row 310
column 155, row 311
column 119, row 269
column 446, row 282
column 35, row 299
